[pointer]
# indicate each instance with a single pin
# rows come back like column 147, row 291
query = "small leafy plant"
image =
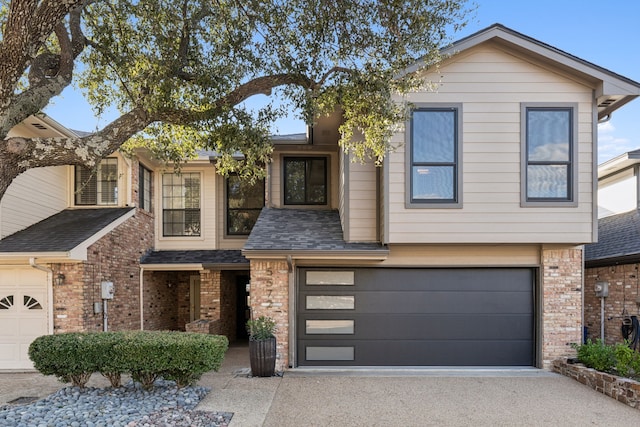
column 261, row 328
column 617, row 359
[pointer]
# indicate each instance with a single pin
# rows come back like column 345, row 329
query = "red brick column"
column 561, row 302
column 210, row 294
column 270, row 297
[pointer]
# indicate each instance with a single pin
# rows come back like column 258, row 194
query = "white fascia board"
column 617, row 164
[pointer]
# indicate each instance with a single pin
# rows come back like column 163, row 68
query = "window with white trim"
column 181, row 204
column 97, row 186
column 144, row 188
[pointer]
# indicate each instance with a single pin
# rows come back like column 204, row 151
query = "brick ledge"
column 622, row 389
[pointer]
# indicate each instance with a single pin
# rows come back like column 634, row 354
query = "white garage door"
column 23, row 315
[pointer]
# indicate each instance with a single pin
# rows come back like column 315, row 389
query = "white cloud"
column 611, row 145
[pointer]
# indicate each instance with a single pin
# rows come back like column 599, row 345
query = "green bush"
column 596, row 355
column 618, row 358
column 627, row 360
column 179, row 356
column 70, row 357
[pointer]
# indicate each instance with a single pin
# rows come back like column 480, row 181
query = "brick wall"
column 622, row 389
column 562, row 302
column 624, row 282
column 115, row 258
column 210, row 294
column 270, row 297
column 160, row 307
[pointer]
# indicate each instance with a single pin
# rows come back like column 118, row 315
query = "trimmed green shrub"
column 179, row 356
column 145, row 355
column 67, row 356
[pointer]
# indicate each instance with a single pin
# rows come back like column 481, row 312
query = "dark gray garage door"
column 415, row 317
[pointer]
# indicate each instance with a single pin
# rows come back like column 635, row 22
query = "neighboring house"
column 464, row 248
column 615, row 258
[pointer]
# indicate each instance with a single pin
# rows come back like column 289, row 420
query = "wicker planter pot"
column 262, row 356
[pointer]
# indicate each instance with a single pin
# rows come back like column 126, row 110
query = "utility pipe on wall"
column 32, row 263
column 602, row 319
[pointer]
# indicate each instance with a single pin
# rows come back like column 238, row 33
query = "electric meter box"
column 602, row 289
column 107, row 290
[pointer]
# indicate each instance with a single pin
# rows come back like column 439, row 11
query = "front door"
column 194, row 298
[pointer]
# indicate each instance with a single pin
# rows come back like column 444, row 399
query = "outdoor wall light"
column 59, row 279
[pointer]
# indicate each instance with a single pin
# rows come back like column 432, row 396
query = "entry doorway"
column 194, row 298
column 243, row 307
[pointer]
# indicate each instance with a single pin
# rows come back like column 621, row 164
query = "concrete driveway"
column 443, row 401
column 527, row 397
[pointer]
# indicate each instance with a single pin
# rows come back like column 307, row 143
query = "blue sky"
column 606, row 35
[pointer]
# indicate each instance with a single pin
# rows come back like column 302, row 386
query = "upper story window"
column 305, row 180
column 548, row 153
column 245, row 200
column 434, row 170
column 181, row 204
column 144, row 188
column 99, row 186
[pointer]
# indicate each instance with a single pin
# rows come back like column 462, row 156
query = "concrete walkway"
column 426, row 397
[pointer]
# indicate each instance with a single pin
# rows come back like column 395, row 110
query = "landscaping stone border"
column 622, row 389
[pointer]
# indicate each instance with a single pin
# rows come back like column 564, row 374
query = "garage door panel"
column 419, row 353
column 430, row 327
column 433, row 302
column 23, row 314
column 485, row 317
column 509, row 279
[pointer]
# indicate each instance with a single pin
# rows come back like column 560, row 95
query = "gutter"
column 32, row 263
column 141, row 297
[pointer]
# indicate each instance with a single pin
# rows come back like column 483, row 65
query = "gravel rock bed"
column 128, row 406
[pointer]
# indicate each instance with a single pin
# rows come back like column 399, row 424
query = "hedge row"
column 145, row 355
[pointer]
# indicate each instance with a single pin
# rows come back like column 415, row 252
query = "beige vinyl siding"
column 208, row 212
column 362, row 202
column 524, row 255
column 33, row 196
column 491, row 85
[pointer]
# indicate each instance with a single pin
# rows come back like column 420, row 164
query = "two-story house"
column 464, row 248
column 613, row 261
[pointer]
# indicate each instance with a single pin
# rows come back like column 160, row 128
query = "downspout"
column 141, row 298
column 32, row 263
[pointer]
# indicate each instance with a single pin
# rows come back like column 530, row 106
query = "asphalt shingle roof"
column 618, row 237
column 195, row 257
column 63, row 231
column 301, row 230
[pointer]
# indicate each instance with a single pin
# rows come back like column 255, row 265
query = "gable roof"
column 66, row 234
column 618, row 242
column 310, row 232
column 611, row 89
column 619, row 163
